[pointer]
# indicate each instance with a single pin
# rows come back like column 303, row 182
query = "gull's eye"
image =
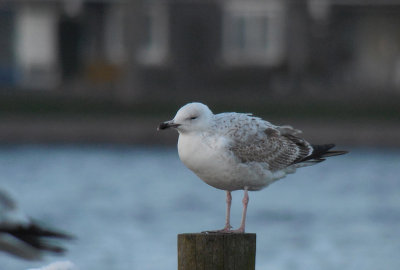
column 193, row 117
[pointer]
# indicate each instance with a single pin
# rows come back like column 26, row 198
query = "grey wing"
column 275, row 149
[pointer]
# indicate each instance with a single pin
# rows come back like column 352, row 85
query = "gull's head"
column 191, row 117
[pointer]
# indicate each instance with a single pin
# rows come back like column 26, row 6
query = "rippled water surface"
column 127, row 204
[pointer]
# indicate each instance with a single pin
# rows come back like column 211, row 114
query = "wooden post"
column 216, row 251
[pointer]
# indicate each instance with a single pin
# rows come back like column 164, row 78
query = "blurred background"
column 84, row 84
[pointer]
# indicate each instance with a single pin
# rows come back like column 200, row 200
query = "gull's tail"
column 320, row 152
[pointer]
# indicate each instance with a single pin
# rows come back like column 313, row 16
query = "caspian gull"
column 237, row 151
column 21, row 236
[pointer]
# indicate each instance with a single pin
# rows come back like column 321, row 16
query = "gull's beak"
column 167, row 124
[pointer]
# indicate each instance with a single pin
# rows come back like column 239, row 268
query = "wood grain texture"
column 216, row 251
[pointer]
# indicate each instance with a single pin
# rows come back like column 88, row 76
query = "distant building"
column 213, row 45
column 48, row 43
column 362, row 42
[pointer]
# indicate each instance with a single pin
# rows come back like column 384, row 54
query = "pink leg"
column 243, row 222
column 228, row 212
column 227, row 228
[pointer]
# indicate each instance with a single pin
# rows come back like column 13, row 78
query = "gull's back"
column 252, row 139
column 240, row 126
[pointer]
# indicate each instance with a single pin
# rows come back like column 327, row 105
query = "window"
column 155, row 39
column 253, row 32
column 36, row 45
column 114, row 33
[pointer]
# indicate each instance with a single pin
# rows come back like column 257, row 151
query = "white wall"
column 36, row 42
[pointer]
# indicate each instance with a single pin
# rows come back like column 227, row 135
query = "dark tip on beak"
column 166, row 125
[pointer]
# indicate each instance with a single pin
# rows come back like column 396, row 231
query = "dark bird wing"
column 38, row 237
column 23, row 237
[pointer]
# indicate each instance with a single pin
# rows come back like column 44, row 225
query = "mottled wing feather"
column 240, row 126
column 276, row 150
column 288, row 130
column 256, row 140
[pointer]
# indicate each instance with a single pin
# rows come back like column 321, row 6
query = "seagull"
column 239, row 151
column 21, row 236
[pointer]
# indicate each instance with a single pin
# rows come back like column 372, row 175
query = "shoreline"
column 34, row 129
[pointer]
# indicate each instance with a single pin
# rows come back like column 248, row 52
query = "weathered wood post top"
column 216, row 251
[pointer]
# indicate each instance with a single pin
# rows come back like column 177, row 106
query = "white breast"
column 202, row 155
column 209, row 159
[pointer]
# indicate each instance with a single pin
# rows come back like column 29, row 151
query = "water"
column 126, row 205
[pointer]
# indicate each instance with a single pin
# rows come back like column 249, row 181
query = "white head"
column 191, row 117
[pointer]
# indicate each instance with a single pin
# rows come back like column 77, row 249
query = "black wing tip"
column 335, row 153
column 35, row 229
column 322, row 151
column 39, row 237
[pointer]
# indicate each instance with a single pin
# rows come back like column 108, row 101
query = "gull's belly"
column 217, row 167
